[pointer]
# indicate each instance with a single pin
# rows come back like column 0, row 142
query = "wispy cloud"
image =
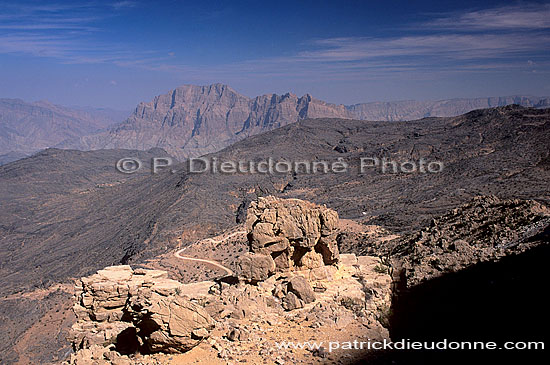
column 50, row 26
column 525, row 16
column 450, row 46
column 66, row 31
column 123, row 4
column 498, row 39
column 502, row 38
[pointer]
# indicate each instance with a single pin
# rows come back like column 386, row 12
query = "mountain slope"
column 28, row 127
column 68, row 213
column 491, row 152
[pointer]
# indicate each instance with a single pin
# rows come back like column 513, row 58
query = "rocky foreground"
column 292, row 286
column 485, row 230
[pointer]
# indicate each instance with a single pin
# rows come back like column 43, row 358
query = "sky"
column 118, row 53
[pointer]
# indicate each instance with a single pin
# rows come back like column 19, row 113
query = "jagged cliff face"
column 193, row 120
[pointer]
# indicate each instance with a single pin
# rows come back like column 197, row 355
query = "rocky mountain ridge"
column 191, row 120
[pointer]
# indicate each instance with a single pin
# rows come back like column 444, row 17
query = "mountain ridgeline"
column 29, row 127
column 67, row 213
column 193, row 120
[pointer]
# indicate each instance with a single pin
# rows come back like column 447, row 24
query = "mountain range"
column 191, row 120
column 67, row 213
column 29, row 127
column 59, row 202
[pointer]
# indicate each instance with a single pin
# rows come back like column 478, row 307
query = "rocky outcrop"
column 486, row 229
column 137, row 316
column 297, row 234
column 137, row 311
column 356, row 293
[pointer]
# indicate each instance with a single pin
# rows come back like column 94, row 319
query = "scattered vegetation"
column 385, row 266
column 384, row 315
column 355, row 305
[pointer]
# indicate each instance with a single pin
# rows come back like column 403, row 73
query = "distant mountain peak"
column 193, row 120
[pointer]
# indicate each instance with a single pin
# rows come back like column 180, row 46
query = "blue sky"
column 118, row 53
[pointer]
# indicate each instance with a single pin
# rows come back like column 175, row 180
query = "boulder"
column 255, row 267
column 294, row 292
column 297, row 234
column 291, row 302
column 300, row 286
column 168, row 324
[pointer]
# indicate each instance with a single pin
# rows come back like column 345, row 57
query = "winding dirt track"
column 215, row 264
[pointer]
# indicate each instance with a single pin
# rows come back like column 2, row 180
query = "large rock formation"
column 139, row 316
column 137, row 311
column 191, row 120
column 194, row 120
column 297, row 234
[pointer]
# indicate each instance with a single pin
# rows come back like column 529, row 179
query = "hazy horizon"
column 130, row 109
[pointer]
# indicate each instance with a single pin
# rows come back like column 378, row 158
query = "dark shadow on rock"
column 127, row 342
column 231, row 280
column 493, row 301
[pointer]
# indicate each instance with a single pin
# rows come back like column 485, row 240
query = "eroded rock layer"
column 137, row 310
column 296, row 234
